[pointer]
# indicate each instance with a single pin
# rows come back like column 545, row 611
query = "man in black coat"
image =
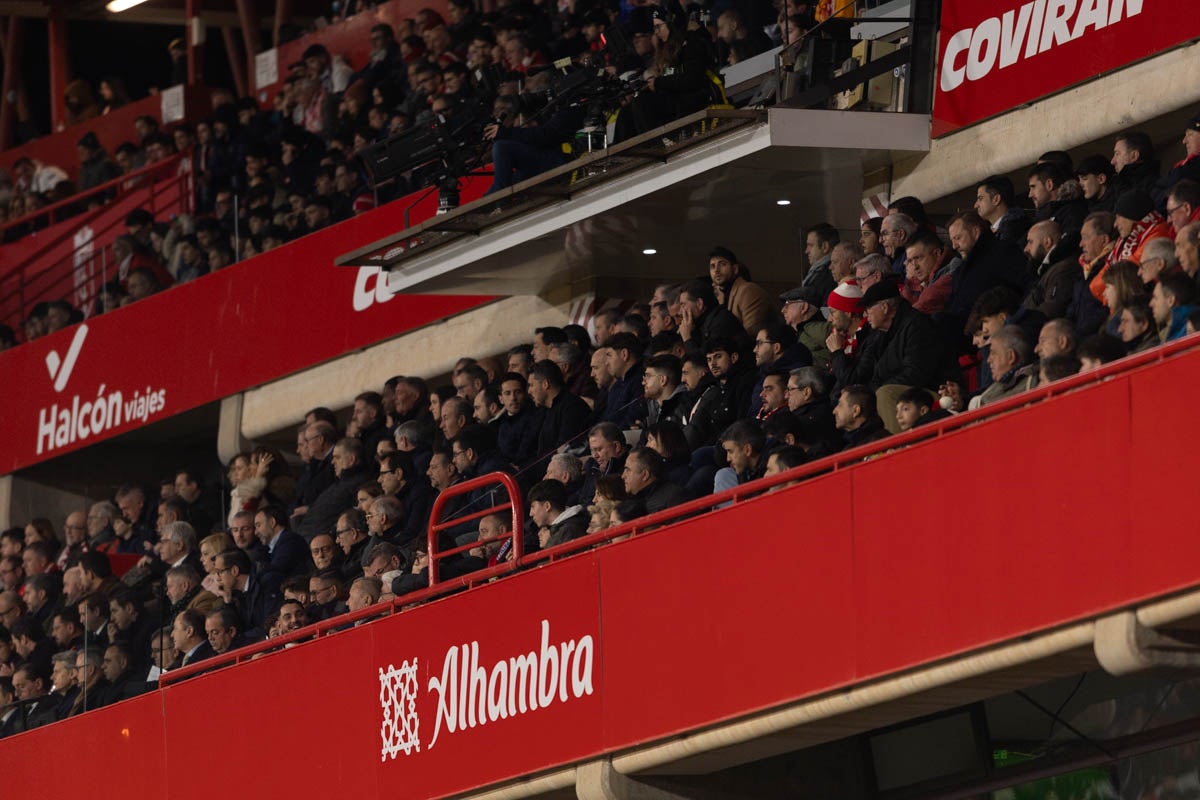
column 254, row 600
column 645, row 480
column 703, row 318
column 1055, row 264
column 351, row 468
column 517, row 427
column 729, row 401
column 1133, row 159
column 1057, row 196
column 565, row 415
column 123, row 682
column 986, row 262
column 905, row 349
column 318, row 474
column 556, row 521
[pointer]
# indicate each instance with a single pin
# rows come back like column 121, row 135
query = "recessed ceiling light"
column 783, row 202
column 649, row 251
column 117, row 6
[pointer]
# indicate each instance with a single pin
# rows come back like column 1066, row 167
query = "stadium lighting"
column 117, row 6
column 649, row 251
column 783, row 202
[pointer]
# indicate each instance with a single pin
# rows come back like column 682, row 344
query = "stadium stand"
column 696, row 401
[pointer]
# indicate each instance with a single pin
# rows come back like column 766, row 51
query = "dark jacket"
column 255, row 605
column 417, row 497
column 674, row 409
column 573, row 527
column 323, row 513
column 592, row 472
column 819, row 428
column 990, row 263
column 909, row 353
column 720, row 408
column 716, row 323
column 517, row 436
column 315, row 477
column 203, row 651
column 794, row 357
column 1013, row 226
column 290, row 557
column 661, row 495
column 819, row 277
column 626, row 403
column 1142, row 175
column 1051, row 289
column 566, row 418
column 1187, row 169
column 870, row 431
column 1068, row 209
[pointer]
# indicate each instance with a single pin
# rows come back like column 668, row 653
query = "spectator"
column 564, row 415
column 350, row 469
column 1098, row 350
column 1134, row 162
column 1096, row 176
column 1121, row 287
column 1138, row 223
column 189, row 637
column 1057, row 337
column 911, row 406
column 702, row 318
column 1137, row 328
column 802, row 311
column 1054, row 263
column 744, row 444
column 124, row 683
column 667, row 398
column 517, row 426
column 242, row 588
column 857, row 418
column 1187, row 168
column 1183, row 204
column 895, row 233
column 625, row 404
column 95, row 167
column 557, row 522
column 1008, row 358
column 1057, row 196
column 995, row 202
column 929, row 273
column 986, row 262
column 728, row 400
column 645, row 480
column 1171, row 302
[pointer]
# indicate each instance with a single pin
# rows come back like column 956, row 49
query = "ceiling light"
column 649, row 251
column 783, row 202
column 117, row 6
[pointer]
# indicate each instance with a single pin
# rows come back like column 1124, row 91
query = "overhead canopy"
column 678, row 193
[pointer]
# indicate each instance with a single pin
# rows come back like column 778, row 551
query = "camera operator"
column 680, row 81
column 519, row 153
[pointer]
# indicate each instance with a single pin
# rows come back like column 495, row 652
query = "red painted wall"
column 1024, row 522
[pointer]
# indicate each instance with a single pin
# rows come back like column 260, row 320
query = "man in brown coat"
column 749, row 302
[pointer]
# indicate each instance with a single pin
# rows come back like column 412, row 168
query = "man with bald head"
column 1054, row 261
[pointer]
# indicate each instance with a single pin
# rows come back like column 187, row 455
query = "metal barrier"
column 33, row 280
column 458, row 490
column 874, row 451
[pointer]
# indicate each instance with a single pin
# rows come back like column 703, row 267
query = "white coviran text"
column 1034, row 28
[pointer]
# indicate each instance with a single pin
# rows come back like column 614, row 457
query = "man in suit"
column 29, row 683
column 565, row 415
column 351, row 468
column 287, row 552
column 123, row 683
column 254, row 600
column 189, row 637
column 11, row 719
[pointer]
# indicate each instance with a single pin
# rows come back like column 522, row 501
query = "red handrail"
column 882, row 449
column 121, row 184
column 457, row 490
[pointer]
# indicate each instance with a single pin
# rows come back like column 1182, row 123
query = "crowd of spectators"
column 263, row 178
column 703, row 386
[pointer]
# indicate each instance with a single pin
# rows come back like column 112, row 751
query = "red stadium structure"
column 999, row 604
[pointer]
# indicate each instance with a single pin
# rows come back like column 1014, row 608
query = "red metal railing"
column 709, row 504
column 35, row 278
column 117, row 186
column 459, row 489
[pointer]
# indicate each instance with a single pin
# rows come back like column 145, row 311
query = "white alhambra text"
column 471, row 695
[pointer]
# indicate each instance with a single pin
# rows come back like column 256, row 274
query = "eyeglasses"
column 222, row 570
column 337, row 533
column 318, row 551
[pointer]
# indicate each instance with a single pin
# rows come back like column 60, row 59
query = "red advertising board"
column 995, row 56
column 842, row 579
column 508, row 688
column 250, row 323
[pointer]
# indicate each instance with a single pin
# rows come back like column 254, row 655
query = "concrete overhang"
column 720, row 188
